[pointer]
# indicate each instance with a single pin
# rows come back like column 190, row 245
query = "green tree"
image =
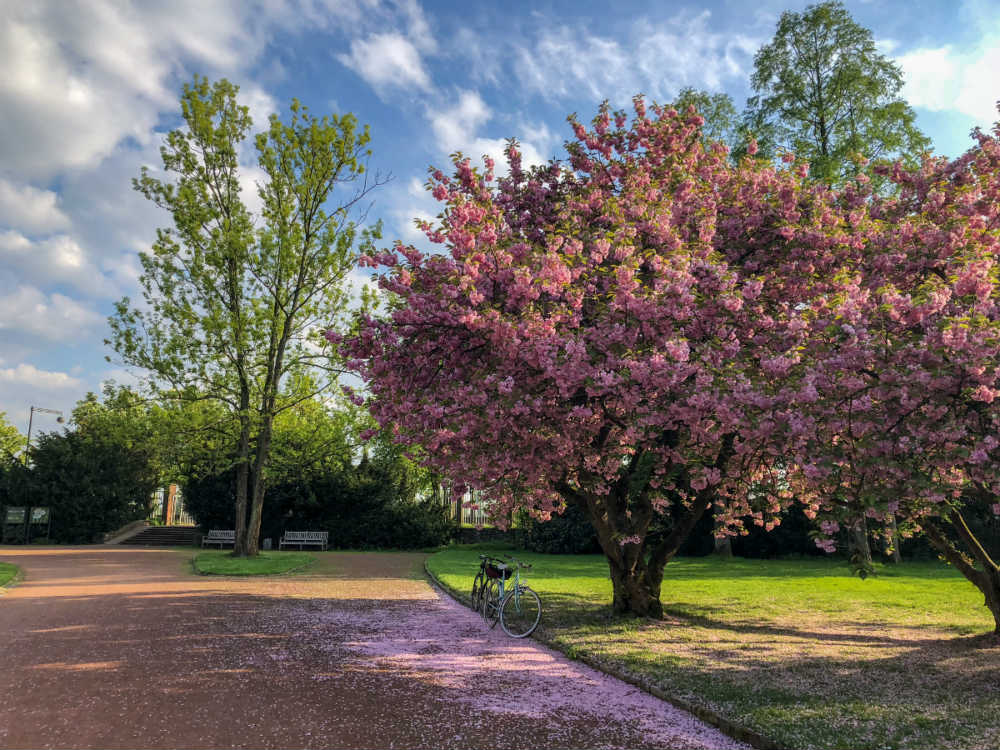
column 125, row 416
column 722, row 122
column 93, row 482
column 234, row 303
column 824, row 93
column 11, row 440
column 96, row 476
column 321, row 477
column 314, row 437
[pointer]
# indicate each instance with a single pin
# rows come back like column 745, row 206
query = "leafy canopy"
column 11, row 441
column 825, row 93
column 234, row 302
column 615, row 333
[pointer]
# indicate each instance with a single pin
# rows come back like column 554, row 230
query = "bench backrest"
column 222, row 534
column 306, row 536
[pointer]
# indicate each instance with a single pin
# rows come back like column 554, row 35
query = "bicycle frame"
column 498, row 589
column 515, row 581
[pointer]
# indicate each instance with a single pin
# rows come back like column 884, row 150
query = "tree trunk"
column 860, row 550
column 991, row 589
column 986, row 578
column 636, row 570
column 621, row 519
column 242, row 484
column 634, row 593
column 242, row 477
column 897, row 558
column 257, row 504
column 724, row 548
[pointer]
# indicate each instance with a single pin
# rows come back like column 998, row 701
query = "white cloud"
column 124, row 270
column 251, row 178
column 417, row 203
column 687, row 52
column 55, row 259
column 357, row 280
column 886, row 47
column 418, row 29
column 949, row 78
column 455, row 129
column 12, row 243
column 30, row 209
column 454, row 126
column 25, row 374
column 409, row 233
column 24, row 385
column 80, row 78
column 28, row 312
column 565, row 62
column 387, row 60
column 260, row 103
column 108, row 216
column 658, row 59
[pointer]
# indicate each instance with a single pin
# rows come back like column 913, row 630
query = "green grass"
column 222, row 563
column 797, row 650
column 7, row 573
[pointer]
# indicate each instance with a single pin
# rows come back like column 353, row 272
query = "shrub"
column 567, row 534
column 363, row 507
column 570, row 533
column 92, row 484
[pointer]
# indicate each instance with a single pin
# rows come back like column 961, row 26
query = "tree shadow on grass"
column 806, row 687
column 568, row 610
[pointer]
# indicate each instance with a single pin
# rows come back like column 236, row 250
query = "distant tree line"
column 100, row 473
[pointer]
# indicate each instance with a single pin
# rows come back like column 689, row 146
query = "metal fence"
column 476, row 517
column 462, row 515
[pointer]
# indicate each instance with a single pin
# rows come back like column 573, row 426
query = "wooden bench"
column 220, row 537
column 307, row 538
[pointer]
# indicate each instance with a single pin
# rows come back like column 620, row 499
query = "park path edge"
column 731, row 728
column 18, row 577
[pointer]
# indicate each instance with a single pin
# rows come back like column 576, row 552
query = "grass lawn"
column 222, row 563
column 7, row 572
column 799, row 651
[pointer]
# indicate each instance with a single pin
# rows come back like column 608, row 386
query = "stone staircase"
column 164, row 536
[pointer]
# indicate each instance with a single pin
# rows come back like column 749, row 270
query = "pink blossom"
column 648, row 297
column 984, row 393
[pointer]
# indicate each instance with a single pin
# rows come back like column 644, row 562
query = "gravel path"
column 115, row 647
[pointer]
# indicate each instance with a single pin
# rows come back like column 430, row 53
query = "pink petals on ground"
column 446, row 646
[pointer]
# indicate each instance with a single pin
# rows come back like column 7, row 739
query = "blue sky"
column 89, row 89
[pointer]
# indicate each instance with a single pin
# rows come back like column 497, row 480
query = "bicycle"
column 480, row 582
column 516, row 606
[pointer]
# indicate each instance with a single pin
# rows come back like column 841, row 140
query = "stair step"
column 164, row 536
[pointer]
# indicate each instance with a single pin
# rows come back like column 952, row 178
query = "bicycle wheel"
column 520, row 612
column 491, row 603
column 477, row 590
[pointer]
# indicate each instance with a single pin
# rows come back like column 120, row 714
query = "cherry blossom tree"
column 905, row 366
column 622, row 333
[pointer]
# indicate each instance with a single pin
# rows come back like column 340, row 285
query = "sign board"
column 39, row 515
column 16, row 515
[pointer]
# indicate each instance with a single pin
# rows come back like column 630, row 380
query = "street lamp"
column 31, row 419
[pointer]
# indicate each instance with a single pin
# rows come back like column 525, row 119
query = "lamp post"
column 31, row 419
